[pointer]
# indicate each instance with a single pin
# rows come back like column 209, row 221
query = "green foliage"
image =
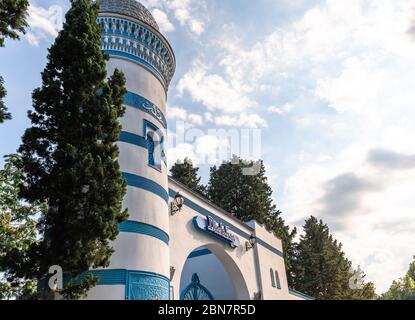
column 12, row 21
column 18, row 231
column 185, row 173
column 70, row 156
column 13, row 15
column 321, row 269
column 404, row 288
column 4, row 115
column 248, row 197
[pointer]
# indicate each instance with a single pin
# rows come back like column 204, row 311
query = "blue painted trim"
column 136, row 101
column 115, row 276
column 231, row 227
column 137, row 59
column 134, row 139
column 199, row 253
column 130, row 226
column 146, row 184
column 300, row 295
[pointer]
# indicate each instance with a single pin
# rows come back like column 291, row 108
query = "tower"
column 139, row 268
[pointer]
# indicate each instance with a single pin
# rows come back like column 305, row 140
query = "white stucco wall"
column 248, row 270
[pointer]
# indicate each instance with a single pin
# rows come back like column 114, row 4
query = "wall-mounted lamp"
column 177, row 204
column 251, row 242
column 172, row 272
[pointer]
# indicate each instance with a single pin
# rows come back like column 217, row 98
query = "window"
column 272, row 277
column 150, row 148
column 277, row 280
column 155, row 145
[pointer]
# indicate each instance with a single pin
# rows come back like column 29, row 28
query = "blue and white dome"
column 130, row 31
column 131, row 8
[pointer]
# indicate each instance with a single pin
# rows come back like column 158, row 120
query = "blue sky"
column 327, row 84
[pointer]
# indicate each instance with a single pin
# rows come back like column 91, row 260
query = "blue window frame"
column 155, row 147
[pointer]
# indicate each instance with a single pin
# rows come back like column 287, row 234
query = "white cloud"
column 189, row 13
column 195, row 119
column 286, row 108
column 216, row 93
column 43, row 23
column 242, row 120
column 177, row 113
column 352, row 66
column 163, row 20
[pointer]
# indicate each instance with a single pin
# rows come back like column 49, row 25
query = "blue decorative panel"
column 146, row 286
column 141, row 44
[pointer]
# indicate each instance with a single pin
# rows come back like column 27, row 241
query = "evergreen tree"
column 404, row 288
column 13, row 15
column 4, row 115
column 69, row 155
column 12, row 21
column 187, row 174
column 18, row 231
column 321, row 269
column 248, row 197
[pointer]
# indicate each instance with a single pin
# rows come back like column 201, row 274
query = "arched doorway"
column 209, row 273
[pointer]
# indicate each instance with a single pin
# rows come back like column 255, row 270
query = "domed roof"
column 131, row 8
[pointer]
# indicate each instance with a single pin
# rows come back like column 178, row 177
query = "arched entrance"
column 209, row 273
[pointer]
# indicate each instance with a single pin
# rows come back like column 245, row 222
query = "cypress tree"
column 12, row 21
column 69, row 155
column 187, row 174
column 248, row 197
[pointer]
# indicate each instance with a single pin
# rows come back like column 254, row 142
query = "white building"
column 201, row 251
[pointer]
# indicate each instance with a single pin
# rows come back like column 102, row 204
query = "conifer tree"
column 321, row 269
column 404, row 288
column 187, row 174
column 69, row 155
column 12, row 22
column 248, row 197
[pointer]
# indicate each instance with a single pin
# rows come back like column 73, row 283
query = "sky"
column 321, row 90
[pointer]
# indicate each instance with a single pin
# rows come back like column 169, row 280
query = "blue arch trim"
column 146, row 184
column 199, row 253
column 132, row 138
column 231, row 227
column 130, row 226
column 300, row 295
